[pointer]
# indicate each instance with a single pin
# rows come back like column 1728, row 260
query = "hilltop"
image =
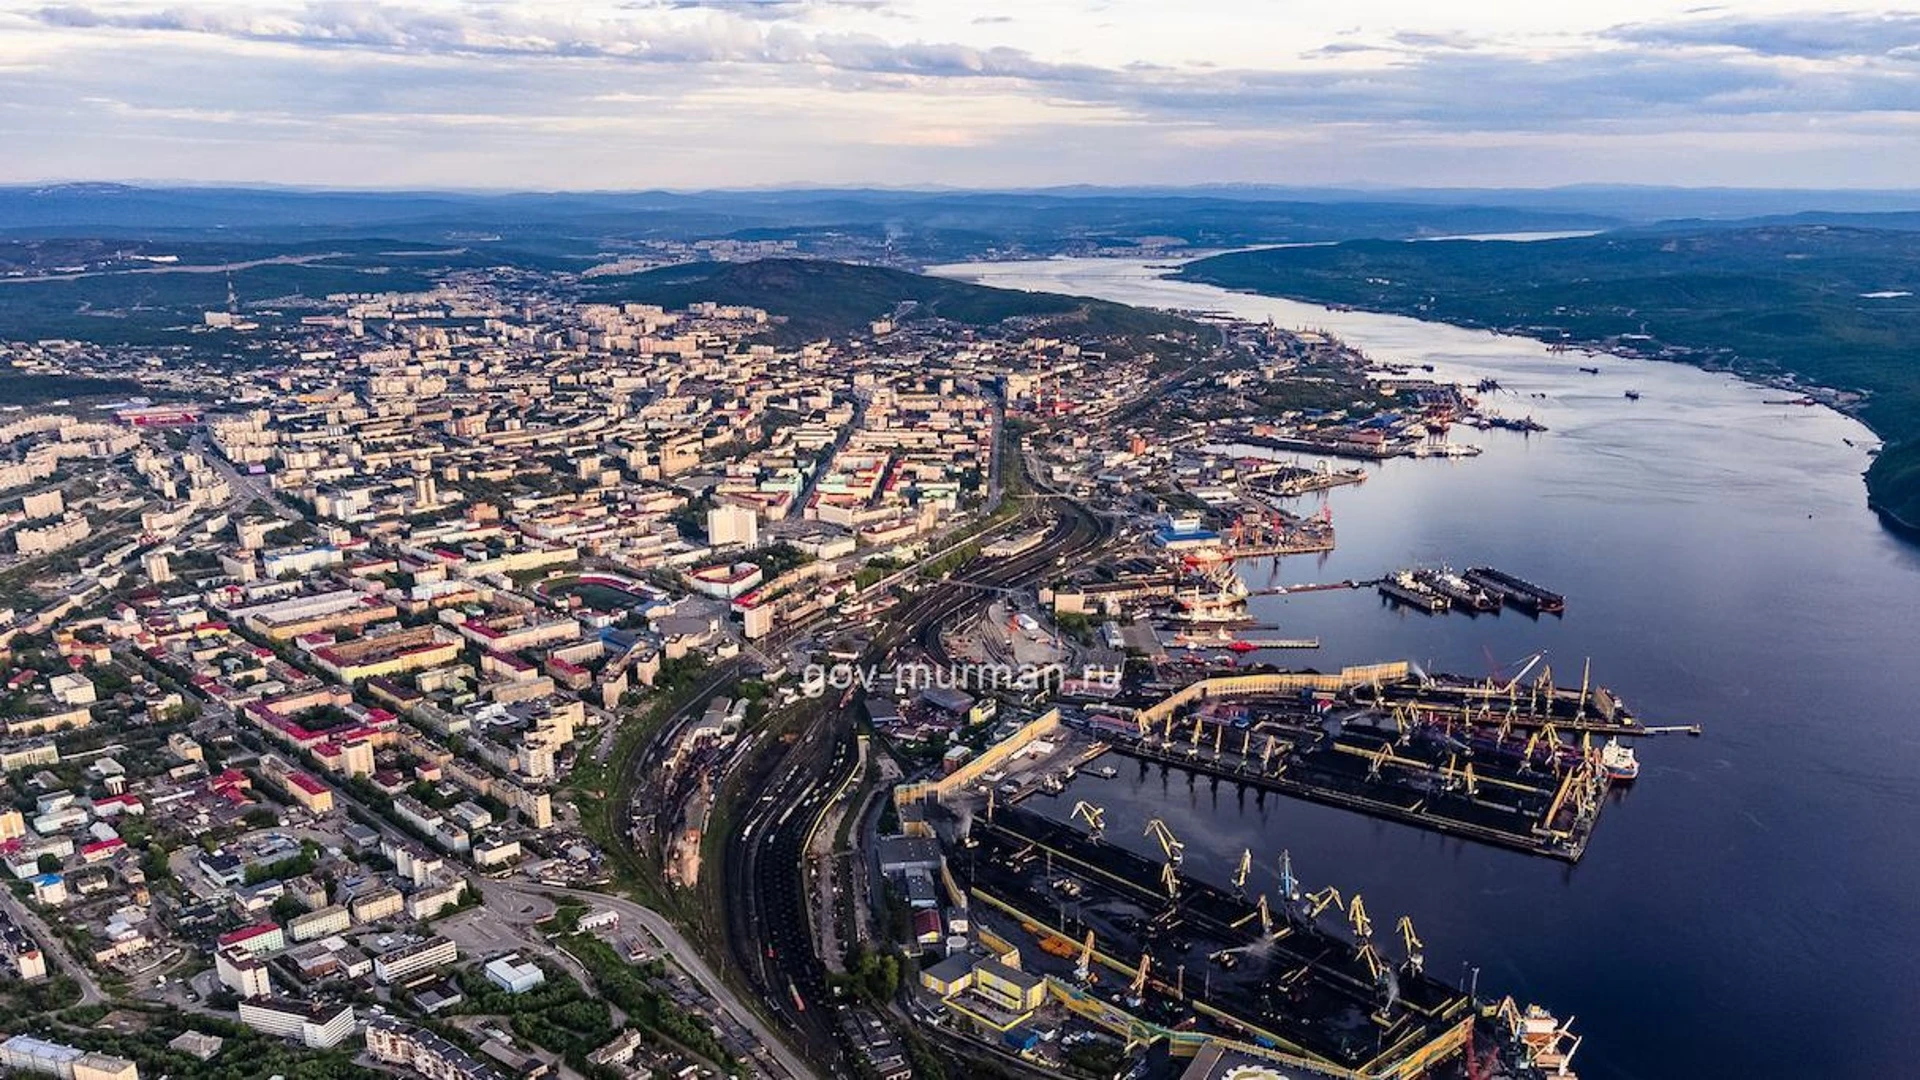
column 818, row 299
column 1822, row 305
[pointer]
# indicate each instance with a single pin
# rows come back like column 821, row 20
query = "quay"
column 1547, row 815
column 1301, row 981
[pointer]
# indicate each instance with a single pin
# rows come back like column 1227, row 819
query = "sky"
column 547, row 94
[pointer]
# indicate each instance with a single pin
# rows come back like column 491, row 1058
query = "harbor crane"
column 1171, row 880
column 1322, row 900
column 1289, row 885
column 1094, row 816
column 1137, row 990
column 1266, row 916
column 1170, row 844
column 1246, row 867
column 1416, row 957
column 1357, row 918
column 1083, row 971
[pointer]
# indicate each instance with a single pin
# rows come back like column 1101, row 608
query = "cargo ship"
column 1618, row 761
column 1462, row 593
column 1403, row 589
column 1520, row 593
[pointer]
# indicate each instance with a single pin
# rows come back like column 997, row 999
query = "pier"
column 1301, row 981
column 1537, row 813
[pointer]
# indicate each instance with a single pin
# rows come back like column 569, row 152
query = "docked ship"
column 1213, row 598
column 1520, row 593
column 1618, row 761
column 1462, row 593
column 1402, row 588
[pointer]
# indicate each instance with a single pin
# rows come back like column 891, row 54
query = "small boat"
column 1591, row 370
column 1633, row 395
column 1106, row 772
column 1618, row 762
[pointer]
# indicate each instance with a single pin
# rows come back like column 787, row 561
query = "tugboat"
column 1618, row 762
column 1633, row 395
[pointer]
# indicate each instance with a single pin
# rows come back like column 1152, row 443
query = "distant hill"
column 1832, row 305
column 821, row 299
column 923, row 226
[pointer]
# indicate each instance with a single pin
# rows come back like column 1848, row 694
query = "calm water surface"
column 1748, row 908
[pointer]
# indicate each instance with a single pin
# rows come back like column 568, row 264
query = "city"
column 845, row 540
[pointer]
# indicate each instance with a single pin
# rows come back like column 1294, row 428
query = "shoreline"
column 1906, row 530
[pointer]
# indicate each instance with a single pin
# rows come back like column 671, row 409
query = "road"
column 24, row 917
column 683, row 953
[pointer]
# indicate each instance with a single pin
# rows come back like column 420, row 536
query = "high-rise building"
column 729, row 525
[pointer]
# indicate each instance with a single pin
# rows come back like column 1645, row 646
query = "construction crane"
column 1246, row 867
column 1171, row 845
column 1416, row 958
column 1322, row 900
column 1094, row 816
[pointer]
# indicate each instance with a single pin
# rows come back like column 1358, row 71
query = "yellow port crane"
column 1322, row 900
column 1094, row 816
column 1170, row 880
column 1245, row 868
column 1375, row 966
column 1378, row 760
column 1138, row 988
column 1357, row 918
column 1083, row 971
column 1170, row 844
column 1416, row 956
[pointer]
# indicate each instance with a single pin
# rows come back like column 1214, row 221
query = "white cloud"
column 921, row 91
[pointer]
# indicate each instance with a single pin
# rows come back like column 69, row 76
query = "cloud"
column 1811, row 37
column 790, row 85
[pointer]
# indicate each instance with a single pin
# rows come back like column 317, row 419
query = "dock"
column 1302, row 982
column 1536, row 813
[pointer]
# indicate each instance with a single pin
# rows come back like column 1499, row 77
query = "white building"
column 317, row 1026
column 729, row 525
column 514, row 975
column 412, row 959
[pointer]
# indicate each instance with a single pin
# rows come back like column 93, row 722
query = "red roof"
column 306, row 783
column 248, row 933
